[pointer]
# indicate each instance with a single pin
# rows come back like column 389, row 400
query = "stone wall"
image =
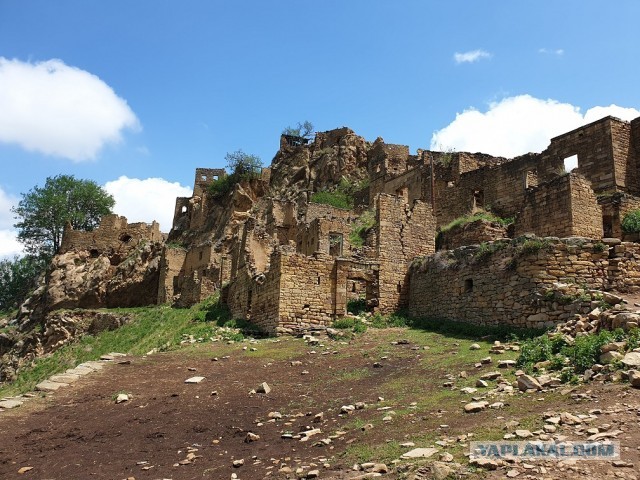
column 170, row 265
column 565, row 206
column 113, row 235
column 402, row 233
column 205, row 177
column 511, row 285
column 472, row 233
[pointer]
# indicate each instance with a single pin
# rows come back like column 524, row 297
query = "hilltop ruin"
column 287, row 263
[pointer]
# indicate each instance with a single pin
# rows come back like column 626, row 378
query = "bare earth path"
column 174, row 430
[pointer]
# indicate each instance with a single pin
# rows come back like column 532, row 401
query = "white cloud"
column 471, row 56
column 9, row 245
column 6, row 202
column 59, row 110
column 550, row 51
column 517, row 125
column 146, row 200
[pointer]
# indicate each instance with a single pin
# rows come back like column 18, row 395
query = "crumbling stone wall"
column 205, row 177
column 403, row 232
column 510, row 285
column 563, row 207
column 171, row 263
column 113, row 235
column 472, row 233
column 614, row 209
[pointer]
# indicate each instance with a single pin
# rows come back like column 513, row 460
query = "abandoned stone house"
column 287, row 263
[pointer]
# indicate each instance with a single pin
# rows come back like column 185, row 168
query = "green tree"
column 304, row 130
column 44, row 211
column 243, row 166
column 17, row 278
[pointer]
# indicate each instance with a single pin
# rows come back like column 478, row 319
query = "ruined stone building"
column 287, row 263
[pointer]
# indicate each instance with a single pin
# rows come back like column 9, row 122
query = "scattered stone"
column 484, row 463
column 251, row 437
column 634, row 378
column 194, row 380
column 347, row 409
column 238, row 463
column 122, row 397
column 24, row 470
column 632, row 359
column 491, row 376
column 523, row 434
column 263, row 388
column 527, row 382
column 10, row 403
column 47, row 386
column 481, row 384
column 506, row 363
column 420, row 453
column 474, row 346
column 611, row 356
column 474, row 407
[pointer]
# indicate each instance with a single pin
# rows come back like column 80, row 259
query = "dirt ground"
column 173, row 430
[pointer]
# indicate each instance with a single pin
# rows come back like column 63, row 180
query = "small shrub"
column 533, row 245
column 353, row 324
column 335, row 199
column 356, row 306
column 631, row 222
column 599, row 247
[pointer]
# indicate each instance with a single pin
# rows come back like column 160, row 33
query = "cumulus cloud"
column 60, row 110
column 9, row 245
column 517, row 125
column 470, row 56
column 146, row 200
column 6, row 202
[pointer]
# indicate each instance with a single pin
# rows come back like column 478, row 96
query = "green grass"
column 335, row 199
column 360, row 227
column 482, row 215
column 161, row 328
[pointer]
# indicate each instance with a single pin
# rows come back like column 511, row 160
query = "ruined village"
column 456, row 236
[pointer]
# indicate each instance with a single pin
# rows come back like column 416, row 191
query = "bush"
column 342, row 196
column 356, row 306
column 243, row 167
column 18, row 277
column 353, row 324
column 631, row 222
column 360, row 228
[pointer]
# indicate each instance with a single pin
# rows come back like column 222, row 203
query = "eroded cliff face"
column 79, row 279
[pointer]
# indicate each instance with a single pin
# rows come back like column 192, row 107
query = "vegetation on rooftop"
column 243, row 167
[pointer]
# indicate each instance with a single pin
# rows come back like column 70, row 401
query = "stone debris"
column 420, row 453
column 194, row 380
column 263, row 388
column 122, row 397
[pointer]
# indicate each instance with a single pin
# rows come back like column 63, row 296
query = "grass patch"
column 158, row 328
column 354, row 324
column 481, row 215
column 360, row 227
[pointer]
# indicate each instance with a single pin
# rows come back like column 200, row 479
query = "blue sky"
column 153, row 89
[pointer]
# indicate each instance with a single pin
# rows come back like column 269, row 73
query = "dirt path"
column 174, row 430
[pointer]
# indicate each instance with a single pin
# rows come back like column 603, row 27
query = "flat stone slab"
column 64, row 378
column 8, row 404
column 420, row 453
column 194, row 380
column 92, row 365
column 81, row 371
column 48, row 386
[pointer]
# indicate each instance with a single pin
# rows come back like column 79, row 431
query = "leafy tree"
column 304, row 130
column 44, row 211
column 243, row 166
column 17, row 278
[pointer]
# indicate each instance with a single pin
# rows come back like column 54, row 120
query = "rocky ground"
column 333, row 409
